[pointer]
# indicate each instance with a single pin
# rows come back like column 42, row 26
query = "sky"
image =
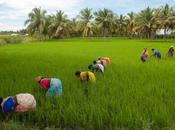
column 13, row 13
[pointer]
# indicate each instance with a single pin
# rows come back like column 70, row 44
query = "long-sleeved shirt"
column 25, row 101
column 89, row 76
column 97, row 67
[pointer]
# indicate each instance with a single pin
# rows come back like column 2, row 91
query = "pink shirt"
column 21, row 108
column 25, row 102
column 45, row 83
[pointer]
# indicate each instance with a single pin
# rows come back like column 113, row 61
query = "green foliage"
column 103, row 22
column 86, row 16
column 59, row 27
column 130, row 95
column 37, row 23
column 13, row 39
column 7, row 39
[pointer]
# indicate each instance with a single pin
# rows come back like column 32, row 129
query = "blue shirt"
column 8, row 104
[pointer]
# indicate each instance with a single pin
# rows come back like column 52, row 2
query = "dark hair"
column 77, row 73
column 90, row 67
column 95, row 62
column 152, row 49
column 1, row 99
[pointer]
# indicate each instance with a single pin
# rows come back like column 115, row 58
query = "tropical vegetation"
column 101, row 23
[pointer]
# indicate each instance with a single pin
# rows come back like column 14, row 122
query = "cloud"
column 5, row 27
column 1, row 2
column 25, row 6
column 17, row 10
column 14, row 12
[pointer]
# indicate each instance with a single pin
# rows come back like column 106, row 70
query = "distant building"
column 161, row 32
column 14, row 34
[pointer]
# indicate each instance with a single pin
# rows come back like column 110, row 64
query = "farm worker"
column 144, row 55
column 22, row 102
column 156, row 54
column 102, row 62
column 96, row 68
column 87, row 75
column 52, row 86
column 171, row 51
column 105, row 58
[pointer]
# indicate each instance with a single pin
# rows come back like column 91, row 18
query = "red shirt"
column 45, row 83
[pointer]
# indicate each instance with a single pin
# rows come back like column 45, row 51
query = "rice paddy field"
column 130, row 95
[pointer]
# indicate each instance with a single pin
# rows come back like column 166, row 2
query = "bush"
column 7, row 39
column 2, row 42
column 13, row 39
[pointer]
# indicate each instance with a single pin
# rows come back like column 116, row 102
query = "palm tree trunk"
column 153, row 34
column 150, row 33
column 165, row 32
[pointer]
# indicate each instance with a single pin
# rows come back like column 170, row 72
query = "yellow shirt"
column 88, row 76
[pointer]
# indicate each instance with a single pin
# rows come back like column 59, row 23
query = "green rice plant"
column 130, row 95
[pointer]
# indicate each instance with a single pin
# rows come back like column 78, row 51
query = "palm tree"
column 104, row 20
column 147, row 23
column 130, row 23
column 60, row 25
column 74, row 30
column 37, row 23
column 167, row 18
column 122, row 25
column 86, row 16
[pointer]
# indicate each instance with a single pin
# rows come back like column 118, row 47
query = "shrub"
column 2, row 42
column 13, row 39
column 6, row 39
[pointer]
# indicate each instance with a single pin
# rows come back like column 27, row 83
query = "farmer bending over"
column 52, row 86
column 171, row 51
column 105, row 58
column 20, row 103
column 102, row 62
column 144, row 55
column 86, row 76
column 96, row 68
column 156, row 54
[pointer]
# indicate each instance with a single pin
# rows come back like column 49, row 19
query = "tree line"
column 102, row 23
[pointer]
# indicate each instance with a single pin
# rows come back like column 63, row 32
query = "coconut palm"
column 74, row 30
column 60, row 25
column 147, row 22
column 37, row 22
column 85, row 17
column 130, row 23
column 144, row 23
column 104, row 20
column 122, row 25
column 167, row 18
